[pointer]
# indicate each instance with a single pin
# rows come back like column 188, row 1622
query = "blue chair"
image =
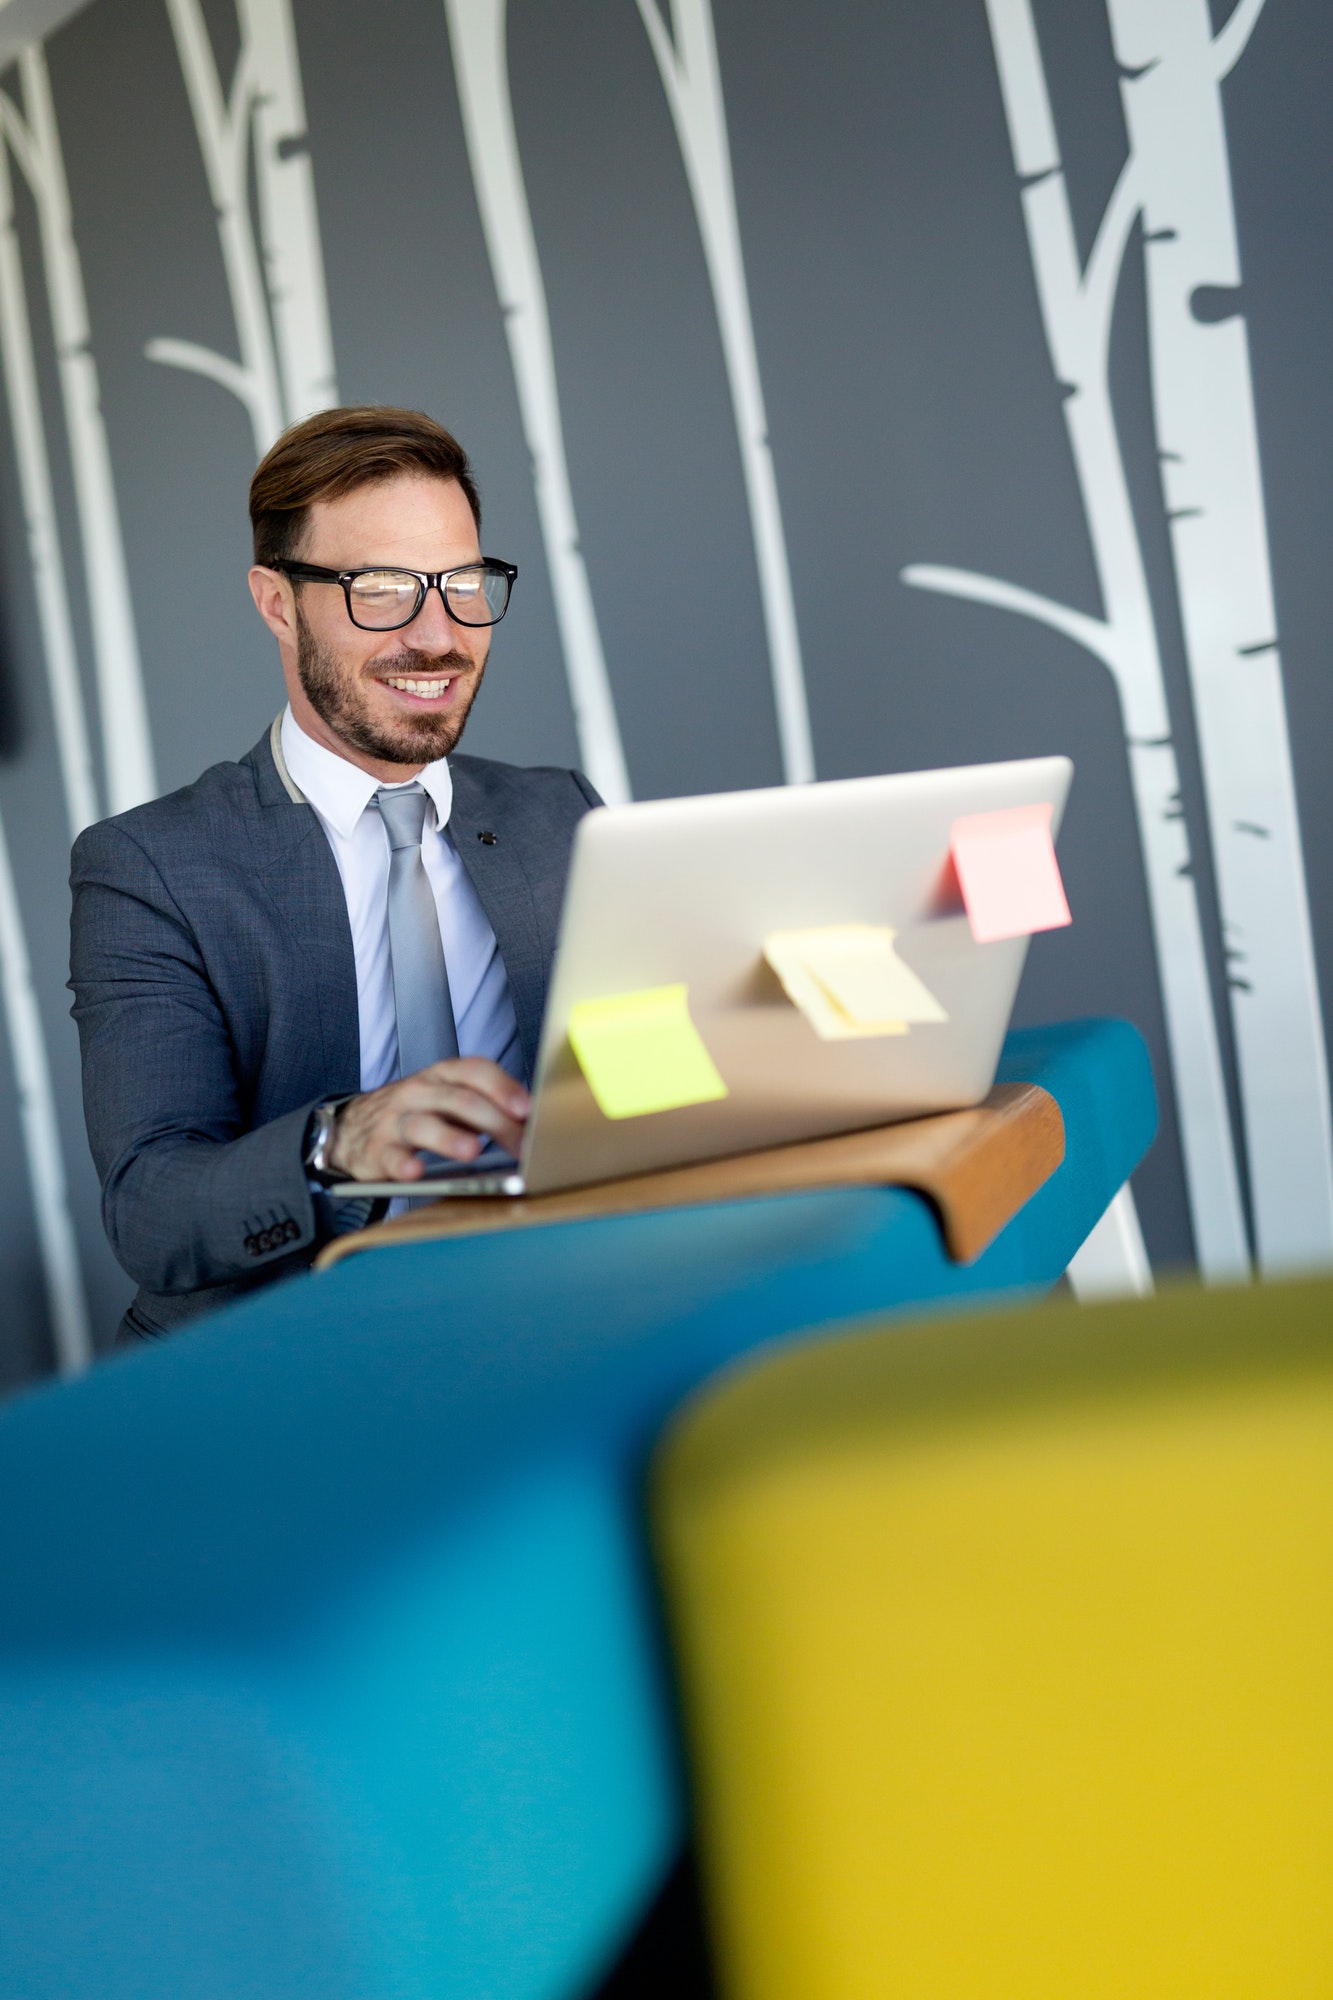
column 329, row 1657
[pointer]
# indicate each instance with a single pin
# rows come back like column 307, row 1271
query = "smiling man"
column 325, row 960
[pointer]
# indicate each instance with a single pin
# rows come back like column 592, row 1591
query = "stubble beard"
column 337, row 695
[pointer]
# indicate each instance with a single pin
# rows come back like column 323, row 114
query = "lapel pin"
column 487, row 839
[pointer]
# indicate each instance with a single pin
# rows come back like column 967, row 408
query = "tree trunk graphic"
column 285, row 185
column 1076, row 306
column 33, row 463
column 477, row 39
column 126, row 744
column 58, row 1244
column 1171, row 71
column 32, row 137
column 687, row 62
column 278, row 299
column 63, row 1279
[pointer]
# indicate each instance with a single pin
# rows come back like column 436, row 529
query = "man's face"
column 398, row 698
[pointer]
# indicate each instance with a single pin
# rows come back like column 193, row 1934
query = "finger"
column 479, row 1073
column 456, row 1141
column 437, row 1135
column 469, row 1109
column 383, row 1163
column 446, row 1092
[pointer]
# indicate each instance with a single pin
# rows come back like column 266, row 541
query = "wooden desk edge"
column 977, row 1167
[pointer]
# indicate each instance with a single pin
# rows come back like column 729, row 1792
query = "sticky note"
column 1008, row 873
column 641, row 1052
column 848, row 981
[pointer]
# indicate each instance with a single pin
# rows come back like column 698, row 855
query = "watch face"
column 318, row 1133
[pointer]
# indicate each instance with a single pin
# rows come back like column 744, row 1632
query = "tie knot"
column 404, row 814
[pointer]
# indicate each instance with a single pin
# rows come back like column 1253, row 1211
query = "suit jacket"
column 215, row 993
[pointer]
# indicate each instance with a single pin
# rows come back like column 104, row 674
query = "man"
column 316, row 963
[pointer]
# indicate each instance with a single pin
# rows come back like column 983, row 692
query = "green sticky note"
column 641, row 1052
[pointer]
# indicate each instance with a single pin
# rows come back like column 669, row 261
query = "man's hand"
column 443, row 1109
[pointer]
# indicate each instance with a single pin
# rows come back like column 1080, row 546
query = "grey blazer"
column 215, row 993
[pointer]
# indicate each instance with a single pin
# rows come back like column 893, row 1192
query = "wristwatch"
column 319, row 1139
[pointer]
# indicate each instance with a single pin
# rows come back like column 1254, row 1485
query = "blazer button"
column 487, row 839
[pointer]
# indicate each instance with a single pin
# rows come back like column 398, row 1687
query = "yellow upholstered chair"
column 1007, row 1655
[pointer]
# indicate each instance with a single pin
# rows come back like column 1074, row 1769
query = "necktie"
column 422, row 1005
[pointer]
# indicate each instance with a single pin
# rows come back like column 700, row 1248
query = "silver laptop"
column 687, row 890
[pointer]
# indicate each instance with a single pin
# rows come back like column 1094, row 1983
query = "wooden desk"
column 977, row 1167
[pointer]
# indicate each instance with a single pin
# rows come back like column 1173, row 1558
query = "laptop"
column 686, row 891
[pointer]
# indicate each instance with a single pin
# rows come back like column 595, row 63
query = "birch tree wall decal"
column 31, row 136
column 40, row 1128
column 285, row 184
column 687, row 62
column 33, row 139
column 278, row 298
column 1076, row 306
column 481, row 68
column 56, row 1238
column 1208, row 449
column 33, row 464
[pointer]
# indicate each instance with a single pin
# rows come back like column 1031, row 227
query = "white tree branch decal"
column 1076, row 307
column 1213, row 492
column 1094, row 634
column 1230, row 42
column 477, row 39
column 687, row 62
column 278, row 298
column 214, row 367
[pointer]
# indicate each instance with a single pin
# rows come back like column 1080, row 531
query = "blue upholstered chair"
column 329, row 1662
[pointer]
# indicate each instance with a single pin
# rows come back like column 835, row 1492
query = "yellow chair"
column 1007, row 1655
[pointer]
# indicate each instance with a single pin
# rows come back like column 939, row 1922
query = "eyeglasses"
column 383, row 600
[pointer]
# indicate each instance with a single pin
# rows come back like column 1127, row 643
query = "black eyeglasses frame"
column 427, row 580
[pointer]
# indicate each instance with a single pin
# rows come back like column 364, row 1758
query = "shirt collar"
column 340, row 791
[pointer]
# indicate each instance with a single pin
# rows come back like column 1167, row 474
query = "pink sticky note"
column 1008, row 873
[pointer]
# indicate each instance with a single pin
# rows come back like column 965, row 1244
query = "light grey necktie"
column 422, row 1004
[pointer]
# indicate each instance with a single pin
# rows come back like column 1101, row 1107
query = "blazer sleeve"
column 190, row 1198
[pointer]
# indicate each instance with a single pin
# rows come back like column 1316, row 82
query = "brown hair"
column 336, row 451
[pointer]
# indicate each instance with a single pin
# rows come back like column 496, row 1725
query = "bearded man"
column 318, row 963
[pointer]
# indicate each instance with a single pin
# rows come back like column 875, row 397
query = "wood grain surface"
column 977, row 1167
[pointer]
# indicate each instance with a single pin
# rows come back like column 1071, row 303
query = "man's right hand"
column 450, row 1109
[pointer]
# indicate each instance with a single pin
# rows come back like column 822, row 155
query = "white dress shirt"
column 342, row 794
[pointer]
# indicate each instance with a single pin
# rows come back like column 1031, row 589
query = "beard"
column 338, row 696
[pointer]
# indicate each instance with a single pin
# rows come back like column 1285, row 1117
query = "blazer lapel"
column 297, row 870
column 496, row 871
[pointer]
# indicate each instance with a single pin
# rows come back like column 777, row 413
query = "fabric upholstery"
column 1006, row 1648
column 329, row 1658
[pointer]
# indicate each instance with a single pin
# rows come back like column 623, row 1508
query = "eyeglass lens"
column 382, row 599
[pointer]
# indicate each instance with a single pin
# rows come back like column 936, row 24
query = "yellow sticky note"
column 641, row 1052
column 848, row 981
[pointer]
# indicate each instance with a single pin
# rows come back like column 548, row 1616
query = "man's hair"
column 336, row 451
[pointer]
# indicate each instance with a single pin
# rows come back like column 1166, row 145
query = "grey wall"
column 913, row 415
